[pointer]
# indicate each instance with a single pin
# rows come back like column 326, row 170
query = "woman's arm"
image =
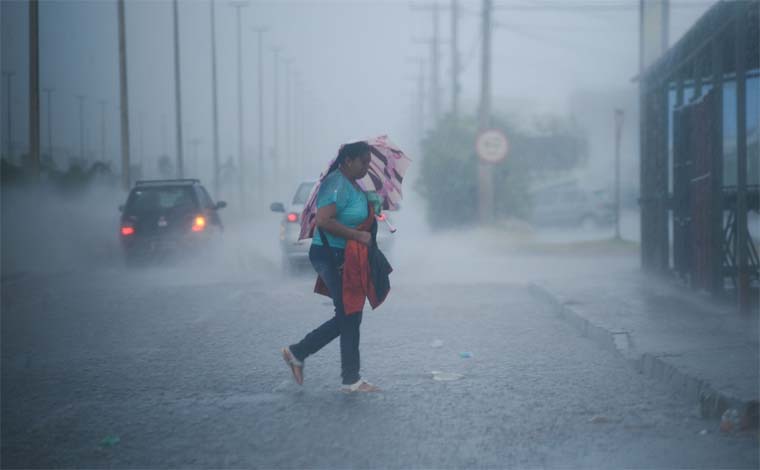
column 326, row 220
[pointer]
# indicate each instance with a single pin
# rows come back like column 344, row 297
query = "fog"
column 524, row 326
column 356, row 77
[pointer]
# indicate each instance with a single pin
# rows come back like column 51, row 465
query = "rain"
column 574, row 244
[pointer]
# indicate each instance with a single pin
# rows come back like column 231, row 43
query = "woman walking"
column 343, row 216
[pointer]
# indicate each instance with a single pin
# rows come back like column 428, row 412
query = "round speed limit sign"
column 492, row 146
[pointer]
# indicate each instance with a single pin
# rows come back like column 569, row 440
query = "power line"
column 548, row 41
column 599, row 6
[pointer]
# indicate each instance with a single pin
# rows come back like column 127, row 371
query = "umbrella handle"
column 390, row 226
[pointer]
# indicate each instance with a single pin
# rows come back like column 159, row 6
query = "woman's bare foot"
column 296, row 366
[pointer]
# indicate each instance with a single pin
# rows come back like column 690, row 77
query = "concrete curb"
column 694, row 390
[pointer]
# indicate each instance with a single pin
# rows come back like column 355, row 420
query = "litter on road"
column 110, row 441
column 598, row 419
column 446, row 376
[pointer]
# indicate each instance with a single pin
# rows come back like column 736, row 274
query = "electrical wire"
column 550, row 42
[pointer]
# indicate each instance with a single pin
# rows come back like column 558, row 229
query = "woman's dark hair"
column 352, row 151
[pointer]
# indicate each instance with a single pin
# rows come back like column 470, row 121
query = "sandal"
column 361, row 386
column 296, row 366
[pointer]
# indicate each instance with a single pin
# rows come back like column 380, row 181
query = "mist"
column 354, row 61
column 528, row 323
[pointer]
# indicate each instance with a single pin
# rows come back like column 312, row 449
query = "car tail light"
column 127, row 230
column 292, row 217
column 199, row 224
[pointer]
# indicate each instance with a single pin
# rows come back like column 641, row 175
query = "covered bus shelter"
column 700, row 163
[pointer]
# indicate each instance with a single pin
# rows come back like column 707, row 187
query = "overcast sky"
column 353, row 58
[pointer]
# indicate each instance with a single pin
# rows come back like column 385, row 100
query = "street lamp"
column 619, row 116
column 215, row 114
column 80, row 99
column 241, row 169
column 178, row 92
column 49, row 92
column 8, row 76
column 260, row 32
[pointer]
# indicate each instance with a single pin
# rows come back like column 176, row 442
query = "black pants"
column 328, row 263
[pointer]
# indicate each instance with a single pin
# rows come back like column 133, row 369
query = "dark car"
column 163, row 216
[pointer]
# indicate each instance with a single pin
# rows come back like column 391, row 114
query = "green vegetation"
column 76, row 178
column 449, row 169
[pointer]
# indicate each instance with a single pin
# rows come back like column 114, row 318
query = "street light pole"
column 81, row 99
column 49, row 92
column 143, row 173
column 486, row 186
column 275, row 117
column 123, row 98
column 619, row 115
column 260, row 33
column 178, row 92
column 241, row 163
column 103, row 130
column 454, row 59
column 215, row 112
column 287, row 156
column 34, row 88
column 9, row 136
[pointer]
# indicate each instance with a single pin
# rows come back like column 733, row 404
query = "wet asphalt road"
column 183, row 367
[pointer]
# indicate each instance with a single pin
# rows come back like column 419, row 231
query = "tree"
column 449, row 167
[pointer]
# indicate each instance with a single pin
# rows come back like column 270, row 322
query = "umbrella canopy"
column 387, row 167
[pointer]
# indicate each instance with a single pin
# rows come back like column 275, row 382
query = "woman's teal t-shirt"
column 350, row 204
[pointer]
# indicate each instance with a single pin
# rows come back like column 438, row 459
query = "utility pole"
column 178, row 92
column 103, row 130
column 455, row 59
column 215, row 107
column 80, row 99
column 34, row 88
column 435, row 103
column 123, row 98
column 287, row 156
column 421, row 98
column 619, row 115
column 143, row 173
column 297, row 121
column 9, row 136
column 49, row 92
column 485, row 174
column 164, row 145
column 275, row 117
column 241, row 162
column 260, row 33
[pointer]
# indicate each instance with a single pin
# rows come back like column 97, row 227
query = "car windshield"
column 302, row 194
column 159, row 199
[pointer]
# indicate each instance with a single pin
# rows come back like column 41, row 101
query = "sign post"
column 492, row 147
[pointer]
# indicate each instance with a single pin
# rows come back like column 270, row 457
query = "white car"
column 296, row 252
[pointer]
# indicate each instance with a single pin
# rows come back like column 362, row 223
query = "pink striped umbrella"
column 386, row 173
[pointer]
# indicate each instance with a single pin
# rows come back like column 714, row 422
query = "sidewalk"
column 707, row 352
